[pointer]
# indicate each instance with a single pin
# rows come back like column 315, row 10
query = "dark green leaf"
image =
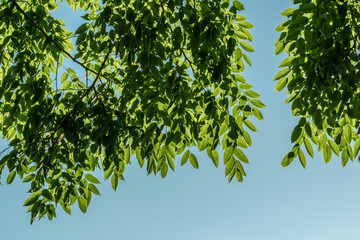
column 194, row 161
column 11, row 177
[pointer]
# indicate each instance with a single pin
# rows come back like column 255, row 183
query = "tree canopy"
column 162, row 77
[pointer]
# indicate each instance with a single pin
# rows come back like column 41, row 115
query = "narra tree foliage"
column 322, row 77
column 161, row 78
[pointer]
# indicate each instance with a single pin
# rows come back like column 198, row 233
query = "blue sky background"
column 321, row 202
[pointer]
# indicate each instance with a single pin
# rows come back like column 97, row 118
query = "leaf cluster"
column 322, row 77
column 161, row 76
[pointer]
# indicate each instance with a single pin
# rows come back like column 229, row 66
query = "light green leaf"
column 257, row 103
column 281, row 84
column 247, row 47
column 356, row 147
column 214, row 156
column 302, row 158
column 185, row 157
column 94, row 189
column 92, row 179
column 250, row 125
column 164, row 170
column 282, row 73
column 252, row 94
column 194, row 161
column 11, row 177
column 327, row 153
column 238, row 5
column 344, row 157
column 247, row 138
column 334, row 147
column 279, row 48
column 64, row 77
column 245, row 24
column 65, row 85
column 348, row 133
column 288, row 11
column 228, row 153
column 114, row 181
column 287, row 160
column 287, row 62
column 309, row 147
column 241, row 155
column 29, row 177
column 82, row 204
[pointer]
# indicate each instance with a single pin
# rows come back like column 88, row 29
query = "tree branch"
column 50, row 39
column 85, row 94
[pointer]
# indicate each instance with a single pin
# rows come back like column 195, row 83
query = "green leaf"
column 348, row 133
column 327, row 153
column 247, row 138
column 80, row 38
column 281, row 84
column 164, row 170
column 46, row 193
column 309, row 147
column 282, row 73
column 250, row 125
column 238, row 5
column 82, row 204
column 34, row 197
column 65, row 85
column 94, row 189
column 214, row 156
column 288, row 12
column 185, row 157
column 241, row 155
column 286, row 62
column 64, row 77
column 302, row 158
column 257, row 103
column 296, row 133
column 241, row 35
column 245, row 24
column 82, row 28
column 344, row 157
column 92, row 179
column 127, row 155
column 228, row 154
column 11, row 177
column 114, row 181
column 287, row 160
column 334, row 147
column 258, row 114
column 279, row 48
column 171, row 163
column 252, row 94
column 247, row 47
column 194, row 161
column 29, row 177
column 52, row 5
column 356, row 147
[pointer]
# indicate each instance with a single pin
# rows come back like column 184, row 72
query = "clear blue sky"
column 273, row 203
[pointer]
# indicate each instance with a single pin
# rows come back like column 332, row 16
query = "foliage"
column 161, row 76
column 322, row 77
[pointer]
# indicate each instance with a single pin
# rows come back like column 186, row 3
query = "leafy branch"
column 50, row 39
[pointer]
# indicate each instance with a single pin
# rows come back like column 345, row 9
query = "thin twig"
column 85, row 94
column 50, row 39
